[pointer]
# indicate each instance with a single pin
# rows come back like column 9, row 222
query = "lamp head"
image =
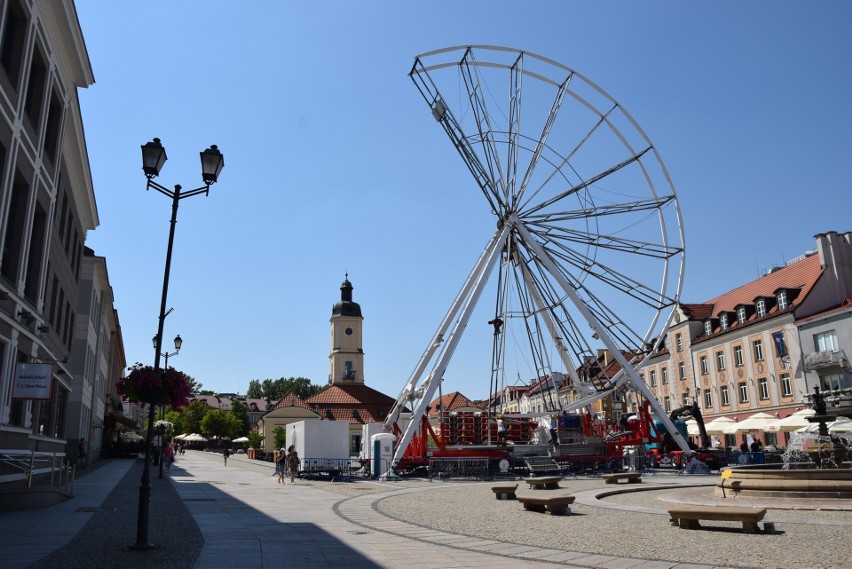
column 178, row 343
column 154, row 340
column 212, row 162
column 153, row 158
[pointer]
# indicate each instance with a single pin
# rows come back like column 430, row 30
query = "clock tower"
column 346, row 360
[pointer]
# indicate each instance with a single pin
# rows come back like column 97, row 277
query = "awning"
column 120, row 418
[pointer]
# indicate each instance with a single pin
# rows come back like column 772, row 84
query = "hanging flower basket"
column 162, row 387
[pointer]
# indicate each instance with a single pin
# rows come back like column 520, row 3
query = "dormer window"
column 782, row 300
column 761, row 308
column 741, row 315
column 708, row 327
column 723, row 321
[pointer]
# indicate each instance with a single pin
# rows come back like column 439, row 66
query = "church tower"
column 346, row 360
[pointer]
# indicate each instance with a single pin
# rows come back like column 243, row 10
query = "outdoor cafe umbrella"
column 195, row 438
column 792, row 423
column 756, row 422
column 692, row 427
column 717, row 425
column 240, row 440
column 131, row 437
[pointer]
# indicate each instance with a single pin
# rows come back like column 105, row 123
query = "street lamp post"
column 166, row 356
column 153, row 158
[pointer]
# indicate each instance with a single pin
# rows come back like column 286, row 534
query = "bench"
column 557, row 505
column 631, row 477
column 543, row 482
column 687, row 516
column 504, row 491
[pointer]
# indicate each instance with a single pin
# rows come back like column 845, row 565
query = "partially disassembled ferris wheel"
column 589, row 240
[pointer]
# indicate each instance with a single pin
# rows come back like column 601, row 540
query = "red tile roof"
column 800, row 275
column 352, row 403
column 290, row 400
column 450, row 401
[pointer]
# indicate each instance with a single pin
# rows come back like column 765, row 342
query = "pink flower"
column 144, row 384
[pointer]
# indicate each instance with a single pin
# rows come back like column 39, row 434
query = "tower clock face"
column 348, row 331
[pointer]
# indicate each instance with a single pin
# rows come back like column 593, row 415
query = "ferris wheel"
column 588, row 251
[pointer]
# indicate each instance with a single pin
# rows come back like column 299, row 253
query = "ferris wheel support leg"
column 464, row 305
column 536, row 247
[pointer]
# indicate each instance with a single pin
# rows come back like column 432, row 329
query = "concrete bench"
column 687, row 516
column 557, row 505
column 631, row 477
column 543, row 482
column 504, row 491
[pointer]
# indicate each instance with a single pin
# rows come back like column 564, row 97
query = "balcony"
column 821, row 360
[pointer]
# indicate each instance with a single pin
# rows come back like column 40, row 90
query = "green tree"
column 254, row 391
column 270, row 390
column 240, row 411
column 192, row 417
column 301, row 386
column 255, row 439
column 176, row 418
column 280, row 438
column 194, row 386
column 220, row 423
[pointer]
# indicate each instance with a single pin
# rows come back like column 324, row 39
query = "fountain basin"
column 797, row 480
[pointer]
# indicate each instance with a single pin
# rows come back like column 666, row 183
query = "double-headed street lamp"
column 153, row 158
column 166, row 355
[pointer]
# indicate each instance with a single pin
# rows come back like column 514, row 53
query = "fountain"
column 814, row 466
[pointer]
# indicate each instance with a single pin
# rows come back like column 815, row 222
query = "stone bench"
column 631, row 477
column 504, row 491
column 543, row 482
column 687, row 516
column 557, row 505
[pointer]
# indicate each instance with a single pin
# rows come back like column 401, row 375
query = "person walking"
column 292, row 463
column 280, row 464
column 81, row 453
column 169, row 455
column 226, row 453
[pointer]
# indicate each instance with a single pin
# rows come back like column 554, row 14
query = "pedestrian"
column 744, row 447
column 501, row 430
column 169, row 455
column 292, row 463
column 81, row 453
column 281, row 464
column 756, row 446
column 226, row 453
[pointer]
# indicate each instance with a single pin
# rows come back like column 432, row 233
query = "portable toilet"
column 384, row 445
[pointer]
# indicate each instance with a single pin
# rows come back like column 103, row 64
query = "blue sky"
column 334, row 163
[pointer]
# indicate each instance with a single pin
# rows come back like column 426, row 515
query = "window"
column 723, row 396
column 665, row 372
column 681, row 370
column 685, row 399
column 761, row 308
column 653, row 375
column 780, row 344
column 782, row 300
column 763, row 388
column 741, row 315
column 826, row 341
column 742, row 388
column 831, row 381
column 786, row 387
column 708, row 399
column 708, row 327
column 14, row 36
column 720, row 361
column 705, row 367
column 679, row 342
column 667, row 402
column 723, row 321
column 738, row 356
column 757, row 346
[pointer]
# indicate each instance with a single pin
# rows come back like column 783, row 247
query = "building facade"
column 47, row 205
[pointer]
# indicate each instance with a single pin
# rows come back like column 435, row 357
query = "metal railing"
column 20, row 464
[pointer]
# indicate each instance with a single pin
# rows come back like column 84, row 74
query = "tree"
column 254, row 391
column 241, row 414
column 220, row 423
column 194, row 386
column 254, row 439
column 280, row 438
column 176, row 418
column 270, row 390
column 301, row 386
column 192, row 417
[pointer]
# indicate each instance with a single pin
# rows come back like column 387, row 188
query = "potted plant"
column 254, row 441
column 161, row 387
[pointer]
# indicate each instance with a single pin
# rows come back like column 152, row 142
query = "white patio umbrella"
column 756, row 422
column 692, row 427
column 717, row 425
column 240, row 440
column 181, row 437
column 793, row 422
column 195, row 438
column 131, row 437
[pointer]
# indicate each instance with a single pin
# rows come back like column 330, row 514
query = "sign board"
column 32, row 381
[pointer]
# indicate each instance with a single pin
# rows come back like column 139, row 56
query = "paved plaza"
column 206, row 515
